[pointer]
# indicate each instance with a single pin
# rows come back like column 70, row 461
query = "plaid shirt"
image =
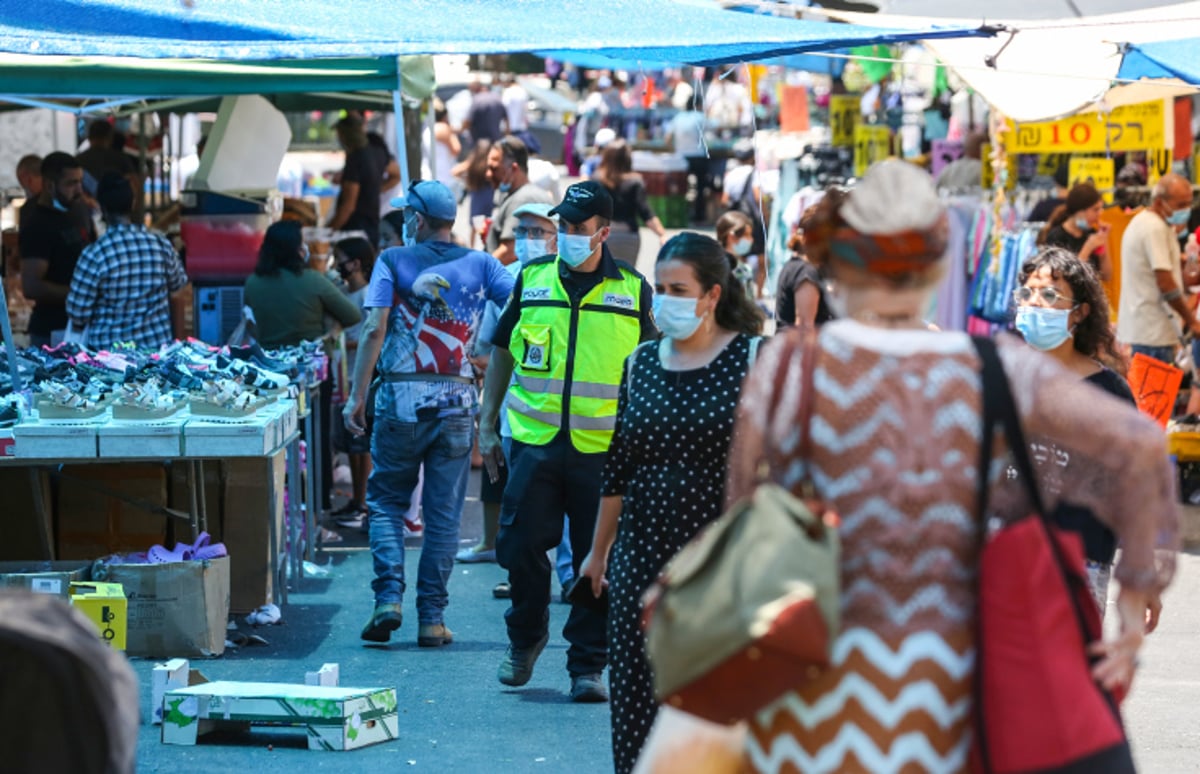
column 121, row 285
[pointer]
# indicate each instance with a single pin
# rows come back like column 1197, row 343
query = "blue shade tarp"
column 678, row 31
column 1164, row 59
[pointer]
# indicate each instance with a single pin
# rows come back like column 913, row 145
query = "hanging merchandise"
column 991, row 293
column 943, row 153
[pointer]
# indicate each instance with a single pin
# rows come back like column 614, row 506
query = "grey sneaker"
column 434, row 635
column 385, row 620
column 517, row 666
column 588, row 689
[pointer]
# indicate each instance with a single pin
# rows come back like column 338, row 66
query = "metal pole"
column 398, row 113
column 9, row 348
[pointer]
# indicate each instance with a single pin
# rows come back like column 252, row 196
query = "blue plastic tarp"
column 1164, row 59
column 675, row 31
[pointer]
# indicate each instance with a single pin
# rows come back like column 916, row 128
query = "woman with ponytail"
column 665, row 473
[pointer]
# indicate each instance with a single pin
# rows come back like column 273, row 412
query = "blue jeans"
column 398, row 450
column 1166, row 353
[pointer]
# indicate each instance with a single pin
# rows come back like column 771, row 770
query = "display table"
column 191, row 439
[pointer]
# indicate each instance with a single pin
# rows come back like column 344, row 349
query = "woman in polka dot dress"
column 665, row 474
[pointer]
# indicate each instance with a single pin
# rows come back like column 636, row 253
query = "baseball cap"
column 585, row 200
column 537, row 209
column 429, row 197
column 605, row 136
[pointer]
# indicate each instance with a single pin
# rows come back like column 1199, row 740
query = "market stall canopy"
column 70, row 76
column 1164, row 59
column 1047, row 69
column 679, row 31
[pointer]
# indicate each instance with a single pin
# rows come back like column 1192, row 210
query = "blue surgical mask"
column 676, row 317
column 504, row 187
column 1082, row 224
column 529, row 249
column 1179, row 217
column 1044, row 328
column 743, row 246
column 574, row 249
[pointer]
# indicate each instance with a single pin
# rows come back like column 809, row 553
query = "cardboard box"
column 53, row 578
column 176, row 673
column 160, row 439
column 105, row 605
column 222, row 438
column 334, row 718
column 96, row 516
column 249, row 510
column 176, row 609
column 55, row 440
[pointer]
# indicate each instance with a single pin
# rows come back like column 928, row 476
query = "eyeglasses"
column 520, row 232
column 1050, row 296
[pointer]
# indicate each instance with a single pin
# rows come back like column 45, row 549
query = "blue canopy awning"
column 676, row 31
column 1164, row 59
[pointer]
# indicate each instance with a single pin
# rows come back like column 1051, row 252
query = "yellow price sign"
column 843, row 117
column 1126, row 128
column 1099, row 172
column 871, row 144
column 1158, row 163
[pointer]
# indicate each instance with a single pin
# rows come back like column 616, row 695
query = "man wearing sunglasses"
column 1152, row 291
column 424, row 305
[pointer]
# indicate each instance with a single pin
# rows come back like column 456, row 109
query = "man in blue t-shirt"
column 424, row 305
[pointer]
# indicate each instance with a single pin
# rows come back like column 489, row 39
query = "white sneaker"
column 472, row 556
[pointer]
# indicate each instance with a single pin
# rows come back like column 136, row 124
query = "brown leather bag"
column 749, row 609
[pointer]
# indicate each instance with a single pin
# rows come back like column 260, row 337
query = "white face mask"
column 529, row 249
column 676, row 317
column 574, row 249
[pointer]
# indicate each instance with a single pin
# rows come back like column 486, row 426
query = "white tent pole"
column 398, row 112
column 433, row 170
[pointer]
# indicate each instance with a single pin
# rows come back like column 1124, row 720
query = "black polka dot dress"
column 668, row 460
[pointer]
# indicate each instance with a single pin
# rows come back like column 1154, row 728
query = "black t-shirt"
column 97, row 162
column 795, row 273
column 577, row 284
column 629, row 202
column 58, row 238
column 1060, row 237
column 362, row 167
column 1100, row 544
column 1113, row 383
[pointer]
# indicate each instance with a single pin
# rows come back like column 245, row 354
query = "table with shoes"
column 118, row 450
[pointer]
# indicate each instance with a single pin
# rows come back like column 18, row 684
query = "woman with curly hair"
column 1062, row 310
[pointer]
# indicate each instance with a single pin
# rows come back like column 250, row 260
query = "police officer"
column 562, row 340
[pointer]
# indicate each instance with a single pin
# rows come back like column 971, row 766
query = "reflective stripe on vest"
column 569, row 359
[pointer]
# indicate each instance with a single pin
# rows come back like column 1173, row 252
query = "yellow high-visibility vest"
column 569, row 357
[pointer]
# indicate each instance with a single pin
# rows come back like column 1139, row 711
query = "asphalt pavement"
column 454, row 715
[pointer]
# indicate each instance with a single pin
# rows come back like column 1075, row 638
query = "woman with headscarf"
column 895, row 428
